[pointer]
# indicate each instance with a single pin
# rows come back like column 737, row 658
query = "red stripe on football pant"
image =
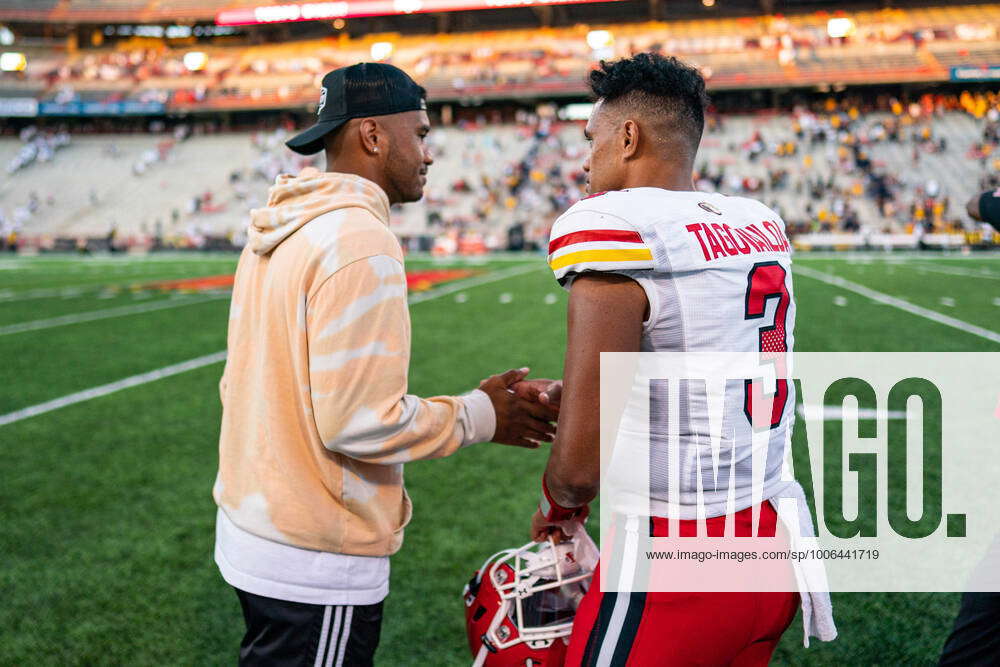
column 587, row 235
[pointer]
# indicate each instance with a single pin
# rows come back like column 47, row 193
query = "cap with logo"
column 359, row 91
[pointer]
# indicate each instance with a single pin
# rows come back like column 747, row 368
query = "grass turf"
column 106, row 508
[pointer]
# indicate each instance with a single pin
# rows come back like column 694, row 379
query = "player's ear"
column 373, row 139
column 630, row 139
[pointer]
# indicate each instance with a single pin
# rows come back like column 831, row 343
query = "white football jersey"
column 717, row 273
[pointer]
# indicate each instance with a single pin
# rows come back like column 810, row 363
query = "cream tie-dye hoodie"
column 316, row 421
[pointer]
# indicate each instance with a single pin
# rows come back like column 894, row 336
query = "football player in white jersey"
column 651, row 264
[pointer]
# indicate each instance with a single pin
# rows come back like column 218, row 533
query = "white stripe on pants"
column 341, row 650
column 322, row 637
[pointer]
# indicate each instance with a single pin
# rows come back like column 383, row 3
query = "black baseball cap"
column 359, row 91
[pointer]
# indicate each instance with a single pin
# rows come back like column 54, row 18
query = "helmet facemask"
column 539, row 586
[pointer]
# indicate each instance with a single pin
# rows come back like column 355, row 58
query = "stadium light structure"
column 601, row 43
column 708, row 3
column 382, row 50
column 839, row 27
column 195, row 61
column 344, row 9
column 407, row 6
column 6, row 36
column 599, row 39
column 12, row 62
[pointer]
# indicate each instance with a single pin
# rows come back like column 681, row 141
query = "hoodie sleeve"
column 358, row 330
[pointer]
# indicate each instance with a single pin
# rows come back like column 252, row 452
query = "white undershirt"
column 275, row 570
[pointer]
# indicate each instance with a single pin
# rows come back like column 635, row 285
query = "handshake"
column 525, row 409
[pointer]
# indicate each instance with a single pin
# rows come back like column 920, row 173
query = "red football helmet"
column 519, row 606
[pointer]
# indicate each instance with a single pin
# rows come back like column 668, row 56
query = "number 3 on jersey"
column 765, row 282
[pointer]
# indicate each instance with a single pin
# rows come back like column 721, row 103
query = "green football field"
column 105, row 498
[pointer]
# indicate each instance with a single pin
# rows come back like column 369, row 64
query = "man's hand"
column 560, row 531
column 546, row 392
column 520, row 422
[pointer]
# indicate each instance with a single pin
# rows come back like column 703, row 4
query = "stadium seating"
column 956, row 176
column 491, row 177
column 950, row 54
column 470, row 185
column 102, row 4
column 121, row 199
column 16, row 88
column 8, row 149
column 888, row 46
column 29, row 4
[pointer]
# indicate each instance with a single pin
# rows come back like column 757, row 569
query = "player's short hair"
column 661, row 85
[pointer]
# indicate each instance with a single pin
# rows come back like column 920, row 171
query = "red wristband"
column 553, row 511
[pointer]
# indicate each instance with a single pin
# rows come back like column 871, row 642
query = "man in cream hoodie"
column 317, row 422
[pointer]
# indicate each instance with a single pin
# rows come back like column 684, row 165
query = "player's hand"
column 520, row 422
column 560, row 531
column 546, row 392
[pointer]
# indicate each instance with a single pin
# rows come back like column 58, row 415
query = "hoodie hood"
column 295, row 200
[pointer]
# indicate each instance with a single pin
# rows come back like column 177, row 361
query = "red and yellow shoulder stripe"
column 596, row 249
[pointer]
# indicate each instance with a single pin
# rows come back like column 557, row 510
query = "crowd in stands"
column 844, row 138
column 37, row 146
column 246, row 189
column 852, row 165
column 134, row 65
column 830, row 169
column 12, row 225
column 730, row 51
column 159, row 153
column 519, row 176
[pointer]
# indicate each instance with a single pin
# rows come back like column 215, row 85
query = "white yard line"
column 208, row 359
column 106, row 313
column 105, row 389
column 953, row 271
column 475, row 260
column 108, row 260
column 79, row 289
column 896, row 302
column 460, row 285
column 48, row 292
column 893, row 257
column 68, row 291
